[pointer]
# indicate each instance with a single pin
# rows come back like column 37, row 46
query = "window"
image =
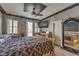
column 30, row 29
column 12, row 26
column 15, row 26
column 9, row 26
column 36, row 27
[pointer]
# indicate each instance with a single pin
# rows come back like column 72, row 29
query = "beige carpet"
column 61, row 52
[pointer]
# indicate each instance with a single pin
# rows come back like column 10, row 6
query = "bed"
column 27, row 46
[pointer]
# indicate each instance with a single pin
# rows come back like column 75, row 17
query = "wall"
column 0, row 23
column 58, row 19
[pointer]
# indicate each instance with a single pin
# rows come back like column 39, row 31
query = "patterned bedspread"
column 24, row 46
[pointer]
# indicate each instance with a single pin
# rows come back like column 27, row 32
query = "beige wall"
column 58, row 19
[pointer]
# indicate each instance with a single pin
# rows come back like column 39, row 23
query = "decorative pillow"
column 2, row 40
column 6, row 36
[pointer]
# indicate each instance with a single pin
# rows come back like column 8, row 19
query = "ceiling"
column 17, row 9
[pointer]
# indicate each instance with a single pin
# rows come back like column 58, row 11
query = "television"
column 43, row 24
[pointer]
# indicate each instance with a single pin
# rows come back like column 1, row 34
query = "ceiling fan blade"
column 34, row 13
column 40, row 15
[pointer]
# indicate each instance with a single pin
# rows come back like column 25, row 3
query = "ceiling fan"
column 34, row 8
column 36, row 13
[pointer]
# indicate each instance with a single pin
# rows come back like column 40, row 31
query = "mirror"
column 71, row 33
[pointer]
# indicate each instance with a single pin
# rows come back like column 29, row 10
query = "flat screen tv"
column 43, row 24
